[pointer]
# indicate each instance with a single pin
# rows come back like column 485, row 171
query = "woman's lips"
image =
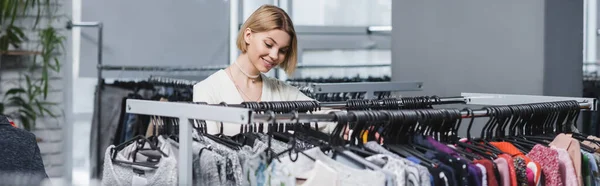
column 267, row 64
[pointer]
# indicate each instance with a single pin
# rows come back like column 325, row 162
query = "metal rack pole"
column 159, row 68
column 301, row 66
column 99, row 83
column 512, row 99
column 443, row 100
column 366, row 87
column 304, row 118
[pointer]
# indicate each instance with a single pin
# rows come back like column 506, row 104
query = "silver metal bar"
column 386, row 29
column 304, row 118
column 83, row 24
column 99, row 83
column 160, row 68
column 191, row 111
column 343, row 66
column 513, row 99
column 366, row 86
column 185, row 152
column 331, row 30
column 343, row 30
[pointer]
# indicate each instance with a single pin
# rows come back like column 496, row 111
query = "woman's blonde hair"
column 267, row 18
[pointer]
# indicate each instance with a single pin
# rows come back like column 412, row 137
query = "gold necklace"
column 239, row 89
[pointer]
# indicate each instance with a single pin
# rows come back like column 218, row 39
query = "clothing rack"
column 100, row 67
column 370, row 88
column 186, row 111
column 169, row 80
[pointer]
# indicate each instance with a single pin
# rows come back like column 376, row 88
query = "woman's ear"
column 247, row 35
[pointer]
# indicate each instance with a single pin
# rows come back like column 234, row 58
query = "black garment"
column 121, row 126
column 20, row 158
column 461, row 172
column 437, row 180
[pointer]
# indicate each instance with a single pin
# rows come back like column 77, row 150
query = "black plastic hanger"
column 140, row 141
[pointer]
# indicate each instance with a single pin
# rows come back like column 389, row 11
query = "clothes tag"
column 139, row 181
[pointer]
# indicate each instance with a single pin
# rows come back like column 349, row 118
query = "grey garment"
column 425, row 178
column 117, row 174
column 393, row 165
column 233, row 165
column 277, row 146
column 112, row 98
column 20, row 157
column 207, row 167
column 415, row 172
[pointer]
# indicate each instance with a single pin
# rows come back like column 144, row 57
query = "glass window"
column 331, row 12
column 342, row 12
column 345, row 57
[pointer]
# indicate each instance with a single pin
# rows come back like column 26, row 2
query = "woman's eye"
column 268, row 46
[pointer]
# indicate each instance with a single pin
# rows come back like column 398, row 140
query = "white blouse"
column 218, row 88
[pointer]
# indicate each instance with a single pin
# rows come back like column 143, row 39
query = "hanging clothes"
column 572, row 146
column 550, row 164
column 568, row 176
column 420, row 151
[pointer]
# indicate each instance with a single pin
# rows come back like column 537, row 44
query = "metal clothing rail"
column 368, row 87
column 159, row 68
column 305, row 118
column 513, row 99
column 342, row 66
column 169, row 80
column 187, row 111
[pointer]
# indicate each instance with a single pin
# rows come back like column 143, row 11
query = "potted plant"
column 29, row 99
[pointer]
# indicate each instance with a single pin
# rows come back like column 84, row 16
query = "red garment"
column 509, row 148
column 548, row 158
column 489, row 169
column 511, row 169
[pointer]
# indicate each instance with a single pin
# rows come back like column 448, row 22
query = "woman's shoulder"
column 205, row 89
column 214, row 79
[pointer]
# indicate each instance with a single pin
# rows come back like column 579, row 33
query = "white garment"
column 320, row 175
column 346, row 176
column 116, row 174
column 483, row 174
column 218, row 88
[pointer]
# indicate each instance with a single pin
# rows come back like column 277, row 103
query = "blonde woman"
column 267, row 39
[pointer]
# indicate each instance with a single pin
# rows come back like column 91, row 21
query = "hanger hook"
column 293, row 148
column 471, row 114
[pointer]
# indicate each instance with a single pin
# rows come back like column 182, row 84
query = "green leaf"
column 50, row 113
column 14, row 91
column 28, row 81
column 26, row 5
column 26, row 123
column 40, row 107
column 28, row 113
column 48, row 103
column 2, row 108
column 45, row 80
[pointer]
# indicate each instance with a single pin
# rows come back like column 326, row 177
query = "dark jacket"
column 20, row 158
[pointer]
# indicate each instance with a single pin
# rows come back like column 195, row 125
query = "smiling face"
column 268, row 39
column 267, row 49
